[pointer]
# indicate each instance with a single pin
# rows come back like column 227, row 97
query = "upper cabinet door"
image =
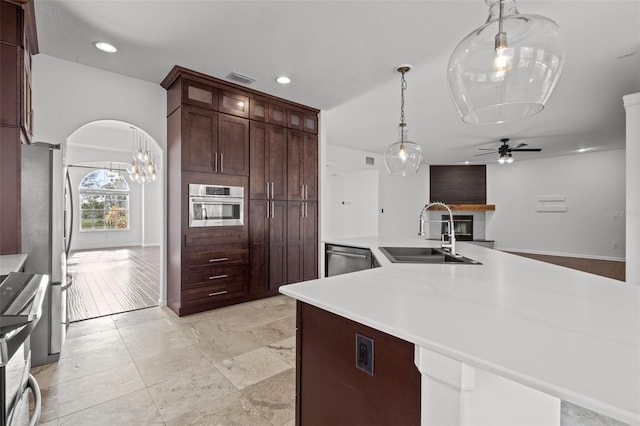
column 295, row 160
column 199, row 138
column 295, row 119
column 233, row 145
column 234, row 103
column 277, row 162
column 258, row 109
column 258, row 161
column 200, row 94
column 310, row 123
column 310, row 169
column 277, row 114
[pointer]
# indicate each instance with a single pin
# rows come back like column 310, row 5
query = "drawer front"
column 216, row 274
column 216, row 258
column 215, row 292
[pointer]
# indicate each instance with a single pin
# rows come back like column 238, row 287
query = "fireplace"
column 462, row 225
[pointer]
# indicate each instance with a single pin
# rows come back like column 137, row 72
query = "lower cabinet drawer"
column 216, row 258
column 216, row 276
column 215, row 292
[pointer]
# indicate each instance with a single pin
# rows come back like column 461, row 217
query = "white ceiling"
column 341, row 56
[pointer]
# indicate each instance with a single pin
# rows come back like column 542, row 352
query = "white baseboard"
column 551, row 253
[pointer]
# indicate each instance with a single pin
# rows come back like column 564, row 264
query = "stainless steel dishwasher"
column 344, row 259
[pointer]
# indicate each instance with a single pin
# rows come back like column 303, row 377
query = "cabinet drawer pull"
column 221, row 162
column 272, row 196
column 216, row 277
column 267, row 191
column 215, row 162
column 301, row 192
column 218, row 293
column 273, row 212
column 220, row 259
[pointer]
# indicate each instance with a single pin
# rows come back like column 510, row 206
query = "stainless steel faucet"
column 451, row 245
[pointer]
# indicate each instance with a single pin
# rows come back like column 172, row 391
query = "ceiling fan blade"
column 487, row 149
column 520, row 145
column 527, row 149
column 485, row 153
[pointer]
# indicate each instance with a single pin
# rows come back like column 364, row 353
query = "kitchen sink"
column 424, row 255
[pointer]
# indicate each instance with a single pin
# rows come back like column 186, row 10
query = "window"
column 104, row 201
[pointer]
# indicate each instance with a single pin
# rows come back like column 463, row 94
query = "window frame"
column 110, row 197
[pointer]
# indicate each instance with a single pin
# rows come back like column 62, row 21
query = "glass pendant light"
column 507, row 68
column 404, row 156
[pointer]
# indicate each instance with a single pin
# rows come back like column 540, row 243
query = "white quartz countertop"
column 567, row 333
column 11, row 263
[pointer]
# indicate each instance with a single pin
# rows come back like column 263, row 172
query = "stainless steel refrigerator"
column 46, row 236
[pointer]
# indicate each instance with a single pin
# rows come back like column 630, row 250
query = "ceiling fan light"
column 499, row 76
column 509, row 159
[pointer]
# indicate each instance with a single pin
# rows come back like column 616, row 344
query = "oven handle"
column 37, row 400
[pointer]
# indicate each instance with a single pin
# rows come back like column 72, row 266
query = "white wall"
column 594, row 187
column 67, row 95
column 351, row 203
column 350, row 193
column 632, row 268
column 399, row 199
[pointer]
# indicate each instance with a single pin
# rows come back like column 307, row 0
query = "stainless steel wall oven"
column 215, row 205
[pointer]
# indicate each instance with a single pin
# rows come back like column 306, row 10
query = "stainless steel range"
column 21, row 301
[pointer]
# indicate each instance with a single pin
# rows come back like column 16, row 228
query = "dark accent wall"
column 458, row 184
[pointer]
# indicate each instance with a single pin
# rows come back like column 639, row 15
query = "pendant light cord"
column 403, row 87
column 500, row 19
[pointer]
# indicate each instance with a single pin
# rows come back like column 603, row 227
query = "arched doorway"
column 116, row 245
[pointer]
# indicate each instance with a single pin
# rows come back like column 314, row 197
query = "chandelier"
column 142, row 168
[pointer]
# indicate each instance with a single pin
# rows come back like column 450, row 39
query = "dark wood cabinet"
column 18, row 41
column 221, row 133
column 302, row 241
column 199, row 139
column 330, row 390
column 268, row 244
column 302, row 166
column 213, row 142
column 268, row 166
column 234, row 103
column 233, row 145
column 277, row 114
column 198, row 94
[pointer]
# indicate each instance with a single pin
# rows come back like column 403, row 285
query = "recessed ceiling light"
column 105, row 47
column 283, row 79
column 466, row 162
column 582, row 149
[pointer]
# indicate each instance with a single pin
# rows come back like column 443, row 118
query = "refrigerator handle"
column 71, row 212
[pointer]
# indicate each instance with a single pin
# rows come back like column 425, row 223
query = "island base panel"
column 331, row 390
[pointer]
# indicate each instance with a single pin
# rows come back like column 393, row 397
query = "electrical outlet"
column 616, row 246
column 364, row 353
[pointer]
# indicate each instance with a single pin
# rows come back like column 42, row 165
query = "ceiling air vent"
column 240, row 78
column 369, row 161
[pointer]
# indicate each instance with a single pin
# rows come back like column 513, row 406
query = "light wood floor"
column 606, row 268
column 111, row 281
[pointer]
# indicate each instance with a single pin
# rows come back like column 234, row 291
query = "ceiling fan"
column 504, row 151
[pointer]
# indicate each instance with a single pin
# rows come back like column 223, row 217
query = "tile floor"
column 230, row 366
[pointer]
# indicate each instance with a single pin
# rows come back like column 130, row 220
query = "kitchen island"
column 498, row 343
